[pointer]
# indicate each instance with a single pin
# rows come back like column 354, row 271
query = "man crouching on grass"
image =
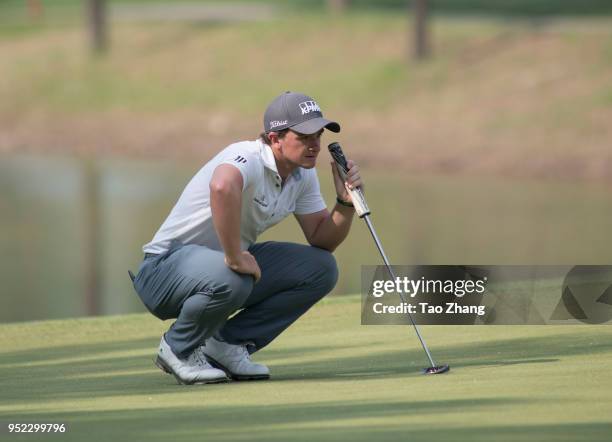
column 204, row 264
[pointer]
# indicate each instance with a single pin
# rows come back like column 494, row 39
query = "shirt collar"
column 269, row 162
column 267, row 156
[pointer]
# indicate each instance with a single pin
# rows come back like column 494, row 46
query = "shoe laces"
column 238, row 352
column 243, row 352
column 199, row 358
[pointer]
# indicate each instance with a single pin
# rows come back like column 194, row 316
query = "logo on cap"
column 276, row 123
column 309, row 106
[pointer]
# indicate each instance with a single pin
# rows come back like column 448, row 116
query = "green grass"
column 56, row 73
column 332, row 380
column 358, row 62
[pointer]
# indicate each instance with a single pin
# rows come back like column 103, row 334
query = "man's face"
column 301, row 150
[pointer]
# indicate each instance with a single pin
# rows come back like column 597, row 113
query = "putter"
column 363, row 211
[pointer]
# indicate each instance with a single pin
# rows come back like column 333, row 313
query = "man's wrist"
column 232, row 258
column 344, row 203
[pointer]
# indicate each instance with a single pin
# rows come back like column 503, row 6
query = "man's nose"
column 315, row 144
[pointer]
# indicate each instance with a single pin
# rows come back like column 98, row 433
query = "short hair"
column 265, row 139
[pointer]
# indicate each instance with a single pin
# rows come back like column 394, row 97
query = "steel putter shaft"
column 363, row 211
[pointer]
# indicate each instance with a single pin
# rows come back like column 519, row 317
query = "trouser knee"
column 240, row 287
column 194, row 306
column 324, row 274
column 233, row 291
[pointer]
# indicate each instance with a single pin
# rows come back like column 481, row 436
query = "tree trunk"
column 337, row 6
column 421, row 34
column 96, row 22
column 35, row 10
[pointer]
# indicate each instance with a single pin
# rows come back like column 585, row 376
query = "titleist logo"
column 277, row 123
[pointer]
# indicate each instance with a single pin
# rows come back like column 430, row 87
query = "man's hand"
column 244, row 263
column 353, row 180
column 327, row 230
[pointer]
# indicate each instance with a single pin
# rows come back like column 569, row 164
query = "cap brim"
column 315, row 125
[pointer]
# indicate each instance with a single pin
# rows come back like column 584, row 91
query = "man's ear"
column 273, row 137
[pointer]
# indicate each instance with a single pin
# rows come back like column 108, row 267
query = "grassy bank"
column 494, row 94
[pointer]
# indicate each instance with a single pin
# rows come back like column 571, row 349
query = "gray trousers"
column 192, row 284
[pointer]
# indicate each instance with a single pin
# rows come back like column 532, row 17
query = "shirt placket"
column 278, row 189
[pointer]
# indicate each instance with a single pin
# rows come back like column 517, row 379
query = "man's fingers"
column 353, row 179
column 254, row 270
column 246, row 264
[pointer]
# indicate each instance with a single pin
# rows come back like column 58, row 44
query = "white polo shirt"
column 264, row 201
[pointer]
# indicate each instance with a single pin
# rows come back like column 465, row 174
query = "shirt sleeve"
column 246, row 163
column 310, row 199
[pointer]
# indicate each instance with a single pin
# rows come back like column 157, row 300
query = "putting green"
column 333, row 379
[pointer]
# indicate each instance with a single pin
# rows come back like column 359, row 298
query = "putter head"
column 436, row 370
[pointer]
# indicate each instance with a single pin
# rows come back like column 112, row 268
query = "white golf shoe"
column 235, row 360
column 193, row 370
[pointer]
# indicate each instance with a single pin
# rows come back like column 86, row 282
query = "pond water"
column 61, row 217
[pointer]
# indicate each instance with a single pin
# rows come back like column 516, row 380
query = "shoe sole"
column 161, row 364
column 237, row 377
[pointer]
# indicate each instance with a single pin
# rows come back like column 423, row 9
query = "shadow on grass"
column 103, row 375
column 401, row 363
column 216, row 420
column 79, row 371
column 312, row 422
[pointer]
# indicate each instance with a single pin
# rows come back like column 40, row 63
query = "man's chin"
column 309, row 163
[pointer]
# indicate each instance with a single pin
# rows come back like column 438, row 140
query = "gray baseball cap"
column 298, row 112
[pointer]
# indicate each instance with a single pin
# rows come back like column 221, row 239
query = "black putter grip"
column 361, row 207
column 336, row 152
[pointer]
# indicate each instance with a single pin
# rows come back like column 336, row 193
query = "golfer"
column 204, row 263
